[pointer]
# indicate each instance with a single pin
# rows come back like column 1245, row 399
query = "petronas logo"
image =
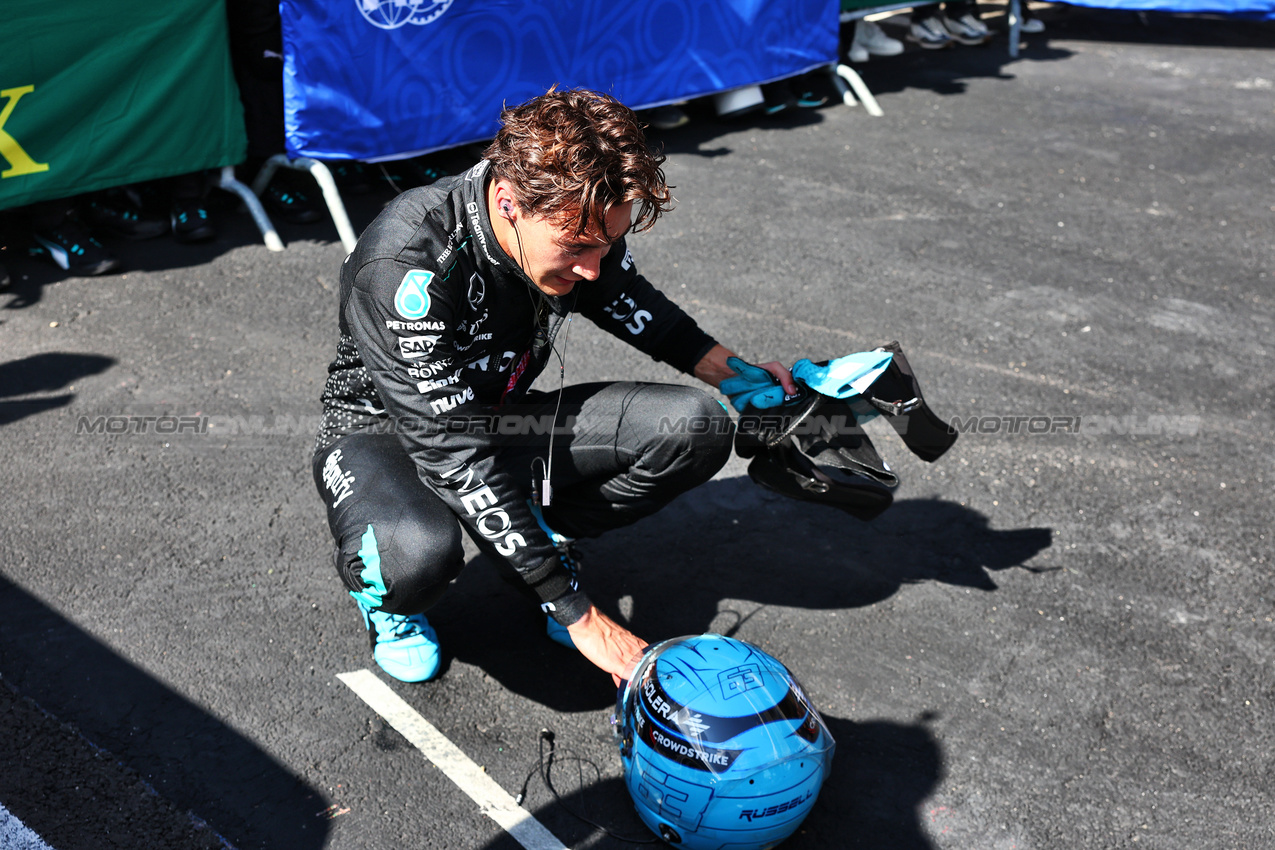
column 412, row 299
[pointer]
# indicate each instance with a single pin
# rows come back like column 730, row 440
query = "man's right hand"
column 607, row 644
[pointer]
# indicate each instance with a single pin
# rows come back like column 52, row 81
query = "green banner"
column 101, row 93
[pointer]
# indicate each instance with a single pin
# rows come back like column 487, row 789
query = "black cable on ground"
column 545, row 768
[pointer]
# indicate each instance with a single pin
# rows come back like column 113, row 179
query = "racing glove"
column 752, row 385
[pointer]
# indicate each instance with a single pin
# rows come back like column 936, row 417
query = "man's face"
column 556, row 259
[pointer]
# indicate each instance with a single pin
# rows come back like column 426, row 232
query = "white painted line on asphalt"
column 494, row 801
column 14, row 834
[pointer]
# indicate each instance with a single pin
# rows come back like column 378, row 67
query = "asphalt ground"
column 1057, row 637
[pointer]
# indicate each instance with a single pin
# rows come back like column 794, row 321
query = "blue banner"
column 380, row 79
column 1260, row 10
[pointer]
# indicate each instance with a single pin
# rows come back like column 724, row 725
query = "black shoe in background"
column 115, row 213
column 352, row 177
column 779, row 98
column 73, row 248
column 189, row 222
column 291, row 203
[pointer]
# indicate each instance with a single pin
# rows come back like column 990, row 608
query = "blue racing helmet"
column 721, row 747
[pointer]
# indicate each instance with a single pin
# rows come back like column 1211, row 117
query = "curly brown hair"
column 574, row 155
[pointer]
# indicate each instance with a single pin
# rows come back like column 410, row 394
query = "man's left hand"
column 713, row 368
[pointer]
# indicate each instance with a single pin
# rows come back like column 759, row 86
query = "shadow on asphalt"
column 717, row 558
column 881, row 774
column 41, row 373
column 948, row 71
column 192, row 759
column 1127, row 27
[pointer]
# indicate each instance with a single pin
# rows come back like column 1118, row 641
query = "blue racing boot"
column 406, row 647
column 570, row 559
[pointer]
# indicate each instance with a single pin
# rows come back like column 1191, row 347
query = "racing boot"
column 406, row 647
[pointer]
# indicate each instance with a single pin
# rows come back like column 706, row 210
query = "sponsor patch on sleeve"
column 413, row 347
column 412, row 298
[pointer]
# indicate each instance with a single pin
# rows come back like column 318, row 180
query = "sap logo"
column 413, row 347
column 412, row 298
column 479, row 502
column 771, row 811
column 430, row 386
column 443, row 405
column 624, row 309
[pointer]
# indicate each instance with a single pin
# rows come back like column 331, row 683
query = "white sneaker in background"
column 871, row 40
column 973, row 21
column 1032, row 25
column 930, row 34
column 966, row 29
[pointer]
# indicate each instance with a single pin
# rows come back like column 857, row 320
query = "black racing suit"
column 428, row 416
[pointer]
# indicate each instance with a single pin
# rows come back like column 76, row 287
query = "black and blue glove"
column 752, row 385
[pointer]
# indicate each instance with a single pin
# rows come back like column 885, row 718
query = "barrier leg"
column 322, row 176
column 250, row 200
column 332, row 196
column 266, row 174
column 843, row 90
column 1015, row 24
column 852, row 77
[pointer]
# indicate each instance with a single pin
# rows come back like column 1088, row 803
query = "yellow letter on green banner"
column 19, row 161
